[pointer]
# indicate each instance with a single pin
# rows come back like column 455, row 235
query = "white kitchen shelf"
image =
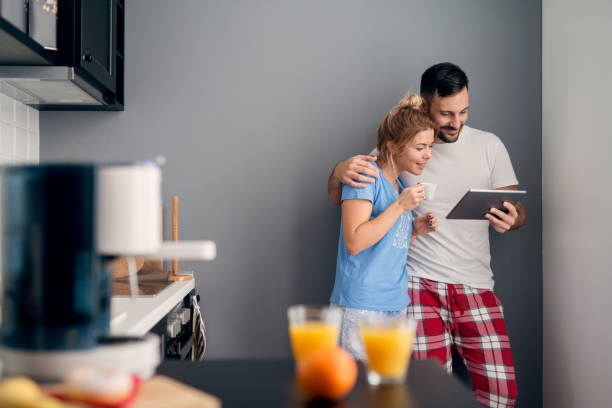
column 137, row 316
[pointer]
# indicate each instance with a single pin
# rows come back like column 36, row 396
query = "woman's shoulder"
column 369, row 191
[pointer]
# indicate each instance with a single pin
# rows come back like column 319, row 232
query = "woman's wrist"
column 400, row 207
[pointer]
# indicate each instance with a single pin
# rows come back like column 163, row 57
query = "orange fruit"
column 328, row 372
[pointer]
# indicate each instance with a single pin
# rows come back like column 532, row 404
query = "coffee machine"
column 61, row 226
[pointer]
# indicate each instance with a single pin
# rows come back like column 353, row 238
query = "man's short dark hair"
column 446, row 78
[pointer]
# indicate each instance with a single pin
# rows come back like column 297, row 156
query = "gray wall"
column 252, row 103
column 577, row 198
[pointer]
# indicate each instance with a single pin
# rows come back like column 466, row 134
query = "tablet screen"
column 476, row 203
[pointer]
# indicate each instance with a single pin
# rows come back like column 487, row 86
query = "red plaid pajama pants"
column 471, row 320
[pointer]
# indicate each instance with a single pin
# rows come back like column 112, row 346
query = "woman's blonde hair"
column 407, row 118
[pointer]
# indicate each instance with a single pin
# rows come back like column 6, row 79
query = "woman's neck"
column 387, row 171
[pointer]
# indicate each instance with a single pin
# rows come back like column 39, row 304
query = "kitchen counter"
column 271, row 383
column 137, row 316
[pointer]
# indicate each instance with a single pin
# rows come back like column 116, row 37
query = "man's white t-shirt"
column 459, row 251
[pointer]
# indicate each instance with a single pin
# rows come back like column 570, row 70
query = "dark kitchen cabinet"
column 89, row 44
column 16, row 13
column 91, row 40
column 98, row 40
column 16, row 46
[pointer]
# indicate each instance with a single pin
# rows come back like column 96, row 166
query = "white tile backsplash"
column 21, row 143
column 33, row 120
column 7, row 140
column 21, row 115
column 19, row 137
column 33, row 147
column 7, row 109
column 19, row 132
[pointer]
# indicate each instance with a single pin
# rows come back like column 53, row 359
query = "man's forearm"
column 521, row 218
column 354, row 171
column 334, row 188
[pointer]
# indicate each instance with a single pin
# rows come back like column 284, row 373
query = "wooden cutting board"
column 163, row 392
column 150, row 282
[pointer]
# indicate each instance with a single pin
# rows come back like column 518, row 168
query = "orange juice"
column 311, row 335
column 388, row 350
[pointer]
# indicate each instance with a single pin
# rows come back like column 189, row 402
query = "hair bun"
column 412, row 101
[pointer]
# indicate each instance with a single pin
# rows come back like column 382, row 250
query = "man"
column 451, row 282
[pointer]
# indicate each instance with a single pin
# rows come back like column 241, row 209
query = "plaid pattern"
column 473, row 321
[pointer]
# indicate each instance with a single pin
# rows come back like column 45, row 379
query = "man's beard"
column 445, row 139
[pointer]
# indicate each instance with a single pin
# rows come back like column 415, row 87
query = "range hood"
column 46, row 87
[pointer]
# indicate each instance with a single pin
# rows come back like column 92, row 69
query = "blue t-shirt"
column 375, row 278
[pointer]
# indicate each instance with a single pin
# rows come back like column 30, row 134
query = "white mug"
column 430, row 190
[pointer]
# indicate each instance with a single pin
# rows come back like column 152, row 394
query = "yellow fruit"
column 18, row 391
column 21, row 392
column 43, row 402
column 328, row 372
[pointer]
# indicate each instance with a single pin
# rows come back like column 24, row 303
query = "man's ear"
column 424, row 105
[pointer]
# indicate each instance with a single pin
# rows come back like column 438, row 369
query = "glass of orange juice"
column 312, row 327
column 388, row 345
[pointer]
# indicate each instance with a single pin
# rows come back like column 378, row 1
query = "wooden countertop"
column 149, row 283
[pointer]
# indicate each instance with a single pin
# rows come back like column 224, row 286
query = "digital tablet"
column 476, row 203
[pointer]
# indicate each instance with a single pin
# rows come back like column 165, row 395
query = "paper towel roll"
column 129, row 204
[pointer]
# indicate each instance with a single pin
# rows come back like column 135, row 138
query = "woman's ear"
column 390, row 146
